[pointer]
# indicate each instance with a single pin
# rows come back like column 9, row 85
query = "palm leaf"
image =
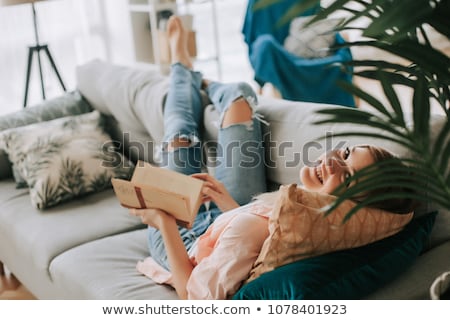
column 356, row 116
column 48, row 194
column 72, row 177
column 421, row 112
column 434, row 61
column 389, row 92
column 295, row 10
column 100, row 181
column 393, row 27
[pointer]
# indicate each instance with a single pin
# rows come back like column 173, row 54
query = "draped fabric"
column 297, row 78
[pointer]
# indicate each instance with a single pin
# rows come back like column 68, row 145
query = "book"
column 159, row 188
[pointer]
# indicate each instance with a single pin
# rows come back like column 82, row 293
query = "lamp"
column 35, row 50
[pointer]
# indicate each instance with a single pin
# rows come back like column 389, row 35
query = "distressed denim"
column 240, row 153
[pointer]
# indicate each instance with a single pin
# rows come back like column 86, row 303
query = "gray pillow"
column 65, row 158
column 71, row 103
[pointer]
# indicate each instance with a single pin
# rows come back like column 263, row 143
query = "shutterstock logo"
column 246, row 154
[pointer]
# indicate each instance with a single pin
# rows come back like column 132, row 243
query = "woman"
column 211, row 260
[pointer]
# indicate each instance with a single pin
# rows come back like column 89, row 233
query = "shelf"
column 144, row 13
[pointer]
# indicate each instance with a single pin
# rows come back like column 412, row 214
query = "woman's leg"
column 240, row 152
column 183, row 114
column 183, row 110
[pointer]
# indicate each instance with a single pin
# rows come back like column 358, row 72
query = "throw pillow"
column 70, row 103
column 298, row 228
column 311, row 41
column 347, row 274
column 64, row 158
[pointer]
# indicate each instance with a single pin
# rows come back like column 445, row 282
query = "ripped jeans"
column 240, row 153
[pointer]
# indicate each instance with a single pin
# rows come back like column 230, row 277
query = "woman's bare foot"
column 177, row 36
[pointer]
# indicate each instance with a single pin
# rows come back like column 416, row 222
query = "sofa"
column 88, row 247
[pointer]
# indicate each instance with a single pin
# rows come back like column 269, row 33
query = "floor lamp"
column 35, row 50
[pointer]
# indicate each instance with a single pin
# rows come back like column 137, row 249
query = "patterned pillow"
column 298, row 228
column 68, row 104
column 64, row 158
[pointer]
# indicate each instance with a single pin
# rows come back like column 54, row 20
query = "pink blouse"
column 223, row 256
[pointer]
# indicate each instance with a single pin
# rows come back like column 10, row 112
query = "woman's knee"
column 239, row 112
column 244, row 90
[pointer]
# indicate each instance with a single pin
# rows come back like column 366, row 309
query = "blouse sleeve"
column 220, row 275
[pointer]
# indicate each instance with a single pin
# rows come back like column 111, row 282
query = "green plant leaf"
column 405, row 143
column 419, row 177
column 370, row 10
column 421, row 111
column 365, row 96
column 390, row 93
column 396, row 78
column 357, row 116
column 445, row 158
column 398, row 19
column 263, row 4
column 394, row 178
column 442, row 136
column 439, row 18
column 382, row 65
column 295, row 10
column 338, row 5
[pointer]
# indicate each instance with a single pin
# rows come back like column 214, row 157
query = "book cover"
column 153, row 187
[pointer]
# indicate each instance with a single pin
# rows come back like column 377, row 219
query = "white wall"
column 80, row 30
column 75, row 30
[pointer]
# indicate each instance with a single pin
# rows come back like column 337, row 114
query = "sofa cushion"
column 299, row 229
column 106, row 269
column 348, row 274
column 30, row 239
column 132, row 94
column 64, row 158
column 70, row 103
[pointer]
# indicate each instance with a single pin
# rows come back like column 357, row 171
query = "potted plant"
column 398, row 27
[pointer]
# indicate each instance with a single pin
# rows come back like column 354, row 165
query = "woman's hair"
column 396, row 205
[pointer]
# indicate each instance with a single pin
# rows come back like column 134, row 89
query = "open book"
column 153, row 187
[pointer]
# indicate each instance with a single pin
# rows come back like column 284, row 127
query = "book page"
column 165, row 179
column 153, row 187
column 126, row 193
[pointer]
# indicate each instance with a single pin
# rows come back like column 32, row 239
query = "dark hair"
column 397, row 205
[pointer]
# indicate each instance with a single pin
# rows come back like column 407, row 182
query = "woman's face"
column 334, row 168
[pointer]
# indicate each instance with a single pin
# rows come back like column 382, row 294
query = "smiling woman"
column 337, row 167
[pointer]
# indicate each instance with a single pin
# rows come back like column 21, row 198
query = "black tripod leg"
column 38, row 51
column 27, row 83
column 54, row 67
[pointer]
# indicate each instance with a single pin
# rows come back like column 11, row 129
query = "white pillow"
column 312, row 41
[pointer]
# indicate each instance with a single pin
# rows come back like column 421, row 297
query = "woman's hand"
column 153, row 217
column 214, row 190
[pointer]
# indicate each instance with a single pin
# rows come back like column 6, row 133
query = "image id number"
column 307, row 309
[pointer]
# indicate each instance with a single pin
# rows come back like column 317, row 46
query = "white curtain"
column 76, row 32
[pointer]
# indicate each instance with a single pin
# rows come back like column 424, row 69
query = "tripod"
column 36, row 49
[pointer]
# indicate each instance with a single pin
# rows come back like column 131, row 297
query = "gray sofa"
column 88, row 248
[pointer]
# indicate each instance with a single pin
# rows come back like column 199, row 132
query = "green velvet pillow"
column 347, row 274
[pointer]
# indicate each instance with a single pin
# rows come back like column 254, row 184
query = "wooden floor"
column 11, row 289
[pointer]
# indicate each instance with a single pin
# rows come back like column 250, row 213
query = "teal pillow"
column 347, row 274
